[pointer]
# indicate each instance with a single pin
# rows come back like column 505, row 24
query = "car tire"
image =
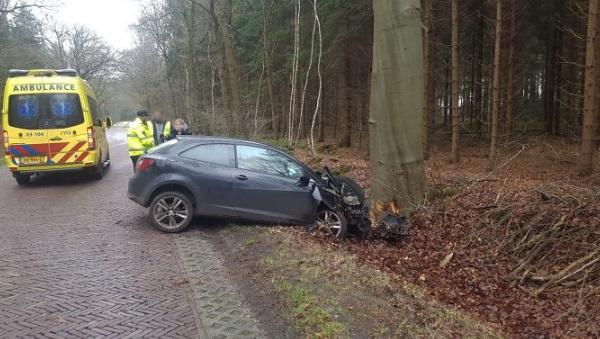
column 334, row 222
column 97, row 172
column 167, row 210
column 23, row 179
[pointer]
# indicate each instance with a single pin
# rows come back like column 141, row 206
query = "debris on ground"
column 518, row 246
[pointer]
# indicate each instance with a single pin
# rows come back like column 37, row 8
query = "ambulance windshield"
column 44, row 111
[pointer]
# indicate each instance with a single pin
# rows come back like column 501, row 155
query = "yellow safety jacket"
column 139, row 138
column 165, row 134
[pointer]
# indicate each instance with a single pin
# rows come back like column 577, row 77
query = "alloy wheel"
column 171, row 212
column 332, row 222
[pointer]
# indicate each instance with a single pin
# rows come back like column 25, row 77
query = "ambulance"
column 50, row 123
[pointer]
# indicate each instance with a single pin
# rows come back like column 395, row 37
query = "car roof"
column 210, row 139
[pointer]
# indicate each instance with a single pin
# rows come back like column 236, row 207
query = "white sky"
column 109, row 18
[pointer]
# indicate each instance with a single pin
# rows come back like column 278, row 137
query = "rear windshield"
column 163, row 147
column 44, row 111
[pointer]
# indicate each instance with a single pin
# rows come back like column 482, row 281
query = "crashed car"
column 242, row 180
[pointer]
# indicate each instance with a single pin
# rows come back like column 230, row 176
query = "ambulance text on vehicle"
column 51, row 122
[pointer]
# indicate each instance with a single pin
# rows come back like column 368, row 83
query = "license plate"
column 32, row 160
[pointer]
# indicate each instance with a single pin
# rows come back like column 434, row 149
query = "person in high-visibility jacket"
column 162, row 130
column 139, row 137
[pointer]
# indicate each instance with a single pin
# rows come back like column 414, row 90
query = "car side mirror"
column 109, row 122
column 304, row 181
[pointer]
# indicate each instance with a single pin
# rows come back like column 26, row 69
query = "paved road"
column 77, row 259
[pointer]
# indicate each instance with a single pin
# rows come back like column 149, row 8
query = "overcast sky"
column 109, row 18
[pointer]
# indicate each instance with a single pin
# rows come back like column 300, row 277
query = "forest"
column 496, row 166
column 301, row 70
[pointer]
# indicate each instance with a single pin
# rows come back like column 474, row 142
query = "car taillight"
column 144, row 164
column 91, row 138
column 5, row 142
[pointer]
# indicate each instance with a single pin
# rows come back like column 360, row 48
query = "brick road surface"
column 77, row 259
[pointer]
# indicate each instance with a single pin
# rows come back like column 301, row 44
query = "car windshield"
column 44, row 111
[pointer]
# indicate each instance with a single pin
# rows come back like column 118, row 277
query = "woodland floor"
column 519, row 245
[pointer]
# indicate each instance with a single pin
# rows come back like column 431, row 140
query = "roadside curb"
column 217, row 300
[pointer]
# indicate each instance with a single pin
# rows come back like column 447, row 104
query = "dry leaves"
column 519, row 248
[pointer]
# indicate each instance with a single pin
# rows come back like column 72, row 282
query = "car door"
column 99, row 127
column 266, row 187
column 211, row 168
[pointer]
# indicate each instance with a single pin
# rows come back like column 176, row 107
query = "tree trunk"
column 344, row 105
column 590, row 116
column 224, row 82
column 295, row 61
column 446, row 99
column 496, row 85
column 223, row 12
column 427, row 71
column 478, row 96
column 345, row 95
column 511, row 92
column 550, row 76
column 455, row 156
column 302, row 122
column 271, row 123
column 320, row 78
column 396, row 149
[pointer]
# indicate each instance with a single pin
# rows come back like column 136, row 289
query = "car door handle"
column 56, row 139
column 241, row 177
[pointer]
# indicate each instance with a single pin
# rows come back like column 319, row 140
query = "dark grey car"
column 237, row 179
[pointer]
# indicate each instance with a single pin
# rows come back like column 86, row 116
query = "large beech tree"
column 396, row 105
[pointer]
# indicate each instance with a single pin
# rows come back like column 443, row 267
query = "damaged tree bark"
column 396, row 106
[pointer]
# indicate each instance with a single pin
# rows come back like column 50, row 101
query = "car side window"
column 219, row 154
column 267, row 161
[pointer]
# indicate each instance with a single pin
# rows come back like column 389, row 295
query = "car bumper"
column 14, row 167
column 137, row 191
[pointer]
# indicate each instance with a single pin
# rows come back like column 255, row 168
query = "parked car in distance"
column 242, row 180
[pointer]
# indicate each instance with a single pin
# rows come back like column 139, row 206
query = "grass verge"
column 327, row 293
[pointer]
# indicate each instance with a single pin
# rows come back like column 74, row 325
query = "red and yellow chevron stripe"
column 66, row 153
column 57, row 153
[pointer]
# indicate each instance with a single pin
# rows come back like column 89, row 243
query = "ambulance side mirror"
column 109, row 122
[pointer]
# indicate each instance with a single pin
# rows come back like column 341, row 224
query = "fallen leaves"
column 532, row 216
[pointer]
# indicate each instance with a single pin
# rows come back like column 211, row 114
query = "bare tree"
column 294, row 80
column 590, row 116
column 496, row 85
column 307, row 77
column 82, row 49
column 223, row 13
column 320, row 76
column 455, row 86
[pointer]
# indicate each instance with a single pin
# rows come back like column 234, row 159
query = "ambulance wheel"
column 97, row 172
column 23, row 179
column 171, row 212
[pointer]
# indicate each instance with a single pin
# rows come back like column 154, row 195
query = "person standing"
column 162, row 130
column 139, row 137
column 181, row 127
